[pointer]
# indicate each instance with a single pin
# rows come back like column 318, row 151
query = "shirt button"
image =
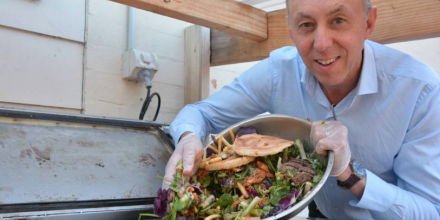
column 336, row 208
column 332, row 184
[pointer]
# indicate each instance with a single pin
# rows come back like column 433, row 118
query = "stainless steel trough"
column 64, row 166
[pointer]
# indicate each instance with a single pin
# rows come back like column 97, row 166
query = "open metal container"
column 289, row 128
column 64, row 166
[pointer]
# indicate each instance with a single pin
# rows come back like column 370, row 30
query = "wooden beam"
column 197, row 44
column 228, row 49
column 398, row 20
column 227, row 16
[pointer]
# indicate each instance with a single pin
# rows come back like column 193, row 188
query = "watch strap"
column 350, row 182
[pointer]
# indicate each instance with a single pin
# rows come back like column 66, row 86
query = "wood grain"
column 228, row 49
column 223, row 15
column 197, row 44
column 398, row 21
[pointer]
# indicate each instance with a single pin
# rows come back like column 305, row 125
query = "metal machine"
column 65, row 166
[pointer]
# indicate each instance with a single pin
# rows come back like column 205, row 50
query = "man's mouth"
column 327, row 62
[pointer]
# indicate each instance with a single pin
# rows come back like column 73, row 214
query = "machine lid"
column 87, row 158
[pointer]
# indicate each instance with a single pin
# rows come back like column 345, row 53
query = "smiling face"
column 329, row 36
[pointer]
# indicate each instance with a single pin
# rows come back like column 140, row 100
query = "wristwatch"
column 358, row 173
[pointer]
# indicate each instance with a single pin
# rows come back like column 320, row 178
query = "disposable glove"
column 332, row 135
column 189, row 149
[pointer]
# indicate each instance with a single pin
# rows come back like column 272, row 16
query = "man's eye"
column 306, row 25
column 339, row 20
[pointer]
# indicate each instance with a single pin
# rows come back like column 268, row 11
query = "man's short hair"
column 367, row 6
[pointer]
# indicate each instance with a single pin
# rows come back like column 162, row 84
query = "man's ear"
column 290, row 33
column 371, row 22
column 290, row 29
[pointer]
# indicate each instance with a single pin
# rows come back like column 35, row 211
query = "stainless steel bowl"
column 289, row 128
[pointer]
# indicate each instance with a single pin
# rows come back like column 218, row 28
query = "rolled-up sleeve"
column 417, row 167
column 248, row 95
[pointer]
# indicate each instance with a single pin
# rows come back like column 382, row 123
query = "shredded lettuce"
column 205, row 181
column 217, row 192
column 224, row 201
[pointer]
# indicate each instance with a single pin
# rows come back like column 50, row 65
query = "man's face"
column 329, row 35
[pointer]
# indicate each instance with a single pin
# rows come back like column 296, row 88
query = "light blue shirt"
column 393, row 119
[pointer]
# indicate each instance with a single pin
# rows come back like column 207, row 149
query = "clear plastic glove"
column 189, row 149
column 332, row 135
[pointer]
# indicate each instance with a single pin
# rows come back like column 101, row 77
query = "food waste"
column 249, row 177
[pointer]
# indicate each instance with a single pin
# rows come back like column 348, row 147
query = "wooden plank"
column 40, row 70
column 228, row 49
column 228, row 16
column 197, row 44
column 60, row 19
column 398, row 21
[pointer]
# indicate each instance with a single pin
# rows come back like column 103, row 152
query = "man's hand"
column 189, row 149
column 332, row 135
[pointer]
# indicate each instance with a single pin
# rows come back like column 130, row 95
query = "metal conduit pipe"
column 131, row 25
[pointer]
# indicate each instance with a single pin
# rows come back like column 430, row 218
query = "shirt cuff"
column 177, row 131
column 378, row 195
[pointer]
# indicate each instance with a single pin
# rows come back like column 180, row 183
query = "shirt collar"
column 367, row 81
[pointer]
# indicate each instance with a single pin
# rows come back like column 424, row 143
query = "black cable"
column 147, row 103
column 158, row 104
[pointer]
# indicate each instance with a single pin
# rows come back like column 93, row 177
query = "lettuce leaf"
column 224, row 201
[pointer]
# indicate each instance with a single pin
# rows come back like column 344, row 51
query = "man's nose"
column 323, row 39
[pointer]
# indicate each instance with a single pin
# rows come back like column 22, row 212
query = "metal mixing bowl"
column 289, row 128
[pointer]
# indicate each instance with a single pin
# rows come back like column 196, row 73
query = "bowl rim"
column 314, row 191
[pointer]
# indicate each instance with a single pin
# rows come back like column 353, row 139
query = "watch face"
column 358, row 169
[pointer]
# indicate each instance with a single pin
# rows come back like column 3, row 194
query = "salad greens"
column 262, row 188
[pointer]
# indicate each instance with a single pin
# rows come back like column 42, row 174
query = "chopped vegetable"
column 246, row 130
column 160, row 202
column 237, row 187
column 301, row 149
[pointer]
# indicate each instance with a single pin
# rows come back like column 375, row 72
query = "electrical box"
column 134, row 61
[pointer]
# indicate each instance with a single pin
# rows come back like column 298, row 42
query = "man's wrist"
column 184, row 134
column 345, row 174
column 358, row 188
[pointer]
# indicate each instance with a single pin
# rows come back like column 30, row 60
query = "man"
column 380, row 107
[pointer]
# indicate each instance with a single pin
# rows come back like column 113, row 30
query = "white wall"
column 427, row 51
column 66, row 55
column 105, row 92
column 41, row 56
column 58, row 18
